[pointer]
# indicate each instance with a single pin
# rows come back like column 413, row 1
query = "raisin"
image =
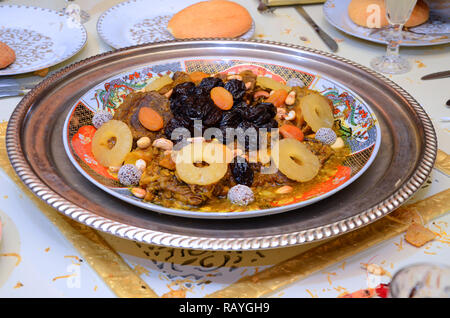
column 236, row 88
column 242, row 172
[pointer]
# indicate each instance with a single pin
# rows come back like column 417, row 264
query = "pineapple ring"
column 114, row 156
column 317, row 111
column 289, row 149
column 214, row 154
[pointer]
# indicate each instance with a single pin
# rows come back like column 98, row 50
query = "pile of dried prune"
column 189, row 102
column 248, row 120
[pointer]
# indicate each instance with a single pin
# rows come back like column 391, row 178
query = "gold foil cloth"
column 443, row 162
column 121, row 279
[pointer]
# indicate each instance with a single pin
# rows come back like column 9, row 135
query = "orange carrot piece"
column 291, row 131
column 150, row 119
column 277, row 98
column 222, row 98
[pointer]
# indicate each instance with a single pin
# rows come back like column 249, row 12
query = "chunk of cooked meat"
column 323, row 152
column 128, row 112
column 262, row 179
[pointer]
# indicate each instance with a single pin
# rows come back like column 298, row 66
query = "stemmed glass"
column 72, row 9
column 397, row 12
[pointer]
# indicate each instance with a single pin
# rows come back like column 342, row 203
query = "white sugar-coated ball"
column 129, row 175
column 326, row 136
column 241, row 195
column 295, row 82
column 101, row 117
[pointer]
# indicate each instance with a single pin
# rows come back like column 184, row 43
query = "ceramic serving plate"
column 39, row 37
column 434, row 32
column 137, row 22
column 405, row 158
column 358, row 123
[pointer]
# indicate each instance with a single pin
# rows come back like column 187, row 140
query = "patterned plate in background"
column 358, row 125
column 39, row 37
column 434, row 32
column 134, row 22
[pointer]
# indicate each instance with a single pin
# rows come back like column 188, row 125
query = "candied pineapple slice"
column 158, row 83
column 317, row 111
column 111, row 143
column 295, row 160
column 215, row 155
column 270, row 83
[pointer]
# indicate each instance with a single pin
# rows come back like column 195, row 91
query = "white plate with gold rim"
column 39, row 37
column 141, row 21
column 433, row 32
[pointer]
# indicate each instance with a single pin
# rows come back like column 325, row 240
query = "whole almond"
column 7, row 55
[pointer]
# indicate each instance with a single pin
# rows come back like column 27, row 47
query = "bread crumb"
column 418, row 235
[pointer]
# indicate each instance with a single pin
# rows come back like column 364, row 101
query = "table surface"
column 47, row 257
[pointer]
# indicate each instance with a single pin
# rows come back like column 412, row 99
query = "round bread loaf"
column 7, row 55
column 360, row 13
column 210, row 19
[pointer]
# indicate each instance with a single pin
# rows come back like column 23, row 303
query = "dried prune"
column 239, row 107
column 270, row 124
column 230, row 119
column 242, row 172
column 260, row 113
column 247, row 135
column 180, row 105
column 208, row 83
column 213, row 117
column 183, row 89
column 202, row 106
column 175, row 123
column 236, row 88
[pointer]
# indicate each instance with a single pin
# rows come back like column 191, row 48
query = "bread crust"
column 7, row 55
column 209, row 19
column 359, row 13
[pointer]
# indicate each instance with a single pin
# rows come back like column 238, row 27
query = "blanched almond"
column 284, row 189
column 143, row 142
column 163, row 143
column 290, row 99
column 138, row 192
column 290, row 116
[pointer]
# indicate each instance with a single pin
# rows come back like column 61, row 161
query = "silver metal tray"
column 404, row 161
